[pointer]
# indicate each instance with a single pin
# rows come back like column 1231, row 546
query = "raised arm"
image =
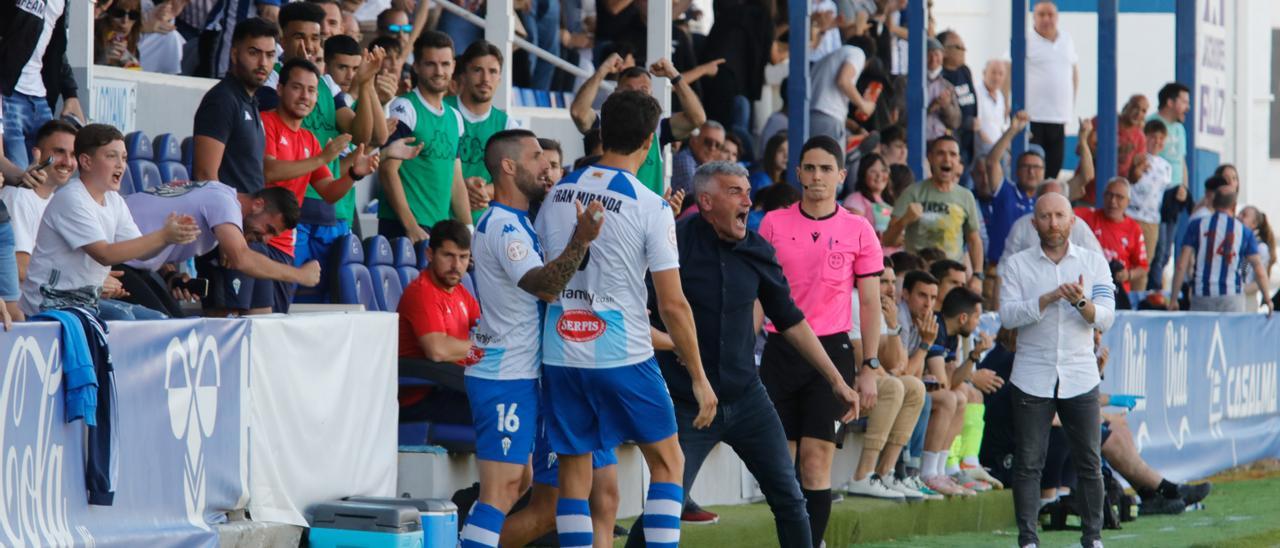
column 580, row 110
column 683, row 123
column 547, row 281
column 995, row 169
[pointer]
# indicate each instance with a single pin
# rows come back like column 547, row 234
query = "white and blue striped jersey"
column 504, row 249
column 600, row 319
column 1221, row 244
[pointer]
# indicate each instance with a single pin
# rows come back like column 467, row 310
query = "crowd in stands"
column 316, row 95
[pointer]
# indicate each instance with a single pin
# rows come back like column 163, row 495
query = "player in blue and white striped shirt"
column 1216, row 245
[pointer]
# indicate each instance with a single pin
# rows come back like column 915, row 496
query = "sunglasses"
column 120, row 13
column 396, row 29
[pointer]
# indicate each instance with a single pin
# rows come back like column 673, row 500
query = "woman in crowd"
column 116, row 35
column 773, row 164
column 1257, row 221
column 1131, row 141
column 872, row 198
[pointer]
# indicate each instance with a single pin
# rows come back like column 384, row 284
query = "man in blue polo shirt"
column 1008, row 201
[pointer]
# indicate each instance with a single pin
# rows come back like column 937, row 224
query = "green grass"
column 1237, row 514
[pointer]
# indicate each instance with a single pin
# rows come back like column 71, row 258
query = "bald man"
column 1055, row 296
column 1121, row 237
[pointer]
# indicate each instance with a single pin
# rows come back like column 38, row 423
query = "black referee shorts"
column 801, row 395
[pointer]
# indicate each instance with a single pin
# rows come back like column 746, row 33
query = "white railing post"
column 658, row 46
column 499, row 29
column 80, row 51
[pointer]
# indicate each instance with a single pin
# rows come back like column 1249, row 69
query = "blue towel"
column 77, row 367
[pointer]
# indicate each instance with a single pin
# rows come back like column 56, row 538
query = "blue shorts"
column 505, row 414
column 596, row 409
column 312, row 242
column 8, row 263
column 233, row 289
column 546, row 468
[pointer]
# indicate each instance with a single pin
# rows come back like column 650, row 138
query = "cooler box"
column 346, row 524
column 439, row 518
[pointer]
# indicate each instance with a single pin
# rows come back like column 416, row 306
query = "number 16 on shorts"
column 505, row 413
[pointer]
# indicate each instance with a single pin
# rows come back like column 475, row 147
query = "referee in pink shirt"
column 824, row 251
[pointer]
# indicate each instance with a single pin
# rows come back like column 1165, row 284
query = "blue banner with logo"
column 1210, row 385
column 179, row 452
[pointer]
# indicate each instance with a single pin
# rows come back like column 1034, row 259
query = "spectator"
column 342, row 58
column 955, row 71
column 394, row 23
column 351, row 26
column 56, row 139
column 1120, row 235
column 944, row 116
column 890, row 33
column 426, row 189
column 1010, row 199
column 678, row 127
column 993, row 109
column 893, row 147
column 391, row 80
column 772, row 167
column 87, row 225
column 228, row 221
column 1174, row 100
column 116, row 35
column 1153, row 175
column 161, row 46
column 294, row 160
column 1255, row 220
column 332, row 23
column 228, row 128
column 1053, row 371
column 1218, row 246
column 823, row 17
column 218, row 36
column 823, row 272
column 622, row 23
column 34, row 73
column 303, row 24
column 705, row 146
column 460, row 31
column 742, row 36
column 722, row 282
column 555, row 163
column 938, row 212
column 775, row 124
column 1053, row 78
column 1132, row 139
column 732, row 149
column 1022, row 235
column 899, row 400
column 1224, row 179
column 835, row 79
column 478, row 81
column 872, row 198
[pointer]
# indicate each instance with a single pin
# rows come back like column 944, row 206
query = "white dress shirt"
column 1050, row 85
column 1055, row 345
column 1022, row 236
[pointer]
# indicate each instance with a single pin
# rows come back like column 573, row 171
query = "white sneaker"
column 872, row 486
column 908, row 493
column 914, row 482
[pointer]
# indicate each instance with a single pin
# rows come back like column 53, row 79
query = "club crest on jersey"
column 580, row 326
column 473, row 357
column 835, row 260
column 517, row 251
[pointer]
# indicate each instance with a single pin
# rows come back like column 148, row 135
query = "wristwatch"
column 974, row 358
column 871, row 363
column 1080, row 304
column 895, row 331
column 923, row 346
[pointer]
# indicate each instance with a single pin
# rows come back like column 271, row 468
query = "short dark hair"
column 450, row 230
column 1224, row 199
column 633, row 72
column 1221, row 170
column 960, row 300
column 54, row 126
column 323, row 2
column 893, row 134
column 917, row 277
column 1154, row 126
column 906, row 261
column 939, row 269
column 301, row 11
column 1170, row 92
column 942, row 36
column 931, row 255
column 386, row 14
column 340, row 44
column 585, row 161
column 1214, row 182
column 901, row 177
column 499, row 148
column 551, row 145
column 826, row 144
column 478, row 49
column 94, row 136
column 387, row 43
column 627, row 119
column 934, row 143
column 254, row 27
column 431, row 39
column 278, row 199
column 286, row 71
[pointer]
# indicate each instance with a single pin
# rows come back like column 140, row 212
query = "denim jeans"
column 1155, row 276
column 461, row 31
column 545, row 33
column 1081, row 421
column 749, row 425
column 113, row 310
column 8, row 263
column 23, row 116
column 915, row 447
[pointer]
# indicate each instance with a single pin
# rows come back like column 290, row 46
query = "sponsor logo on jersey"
column 473, row 357
column 580, row 326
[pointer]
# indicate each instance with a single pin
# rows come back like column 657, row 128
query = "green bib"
column 471, row 149
column 428, row 178
column 651, row 172
column 323, row 123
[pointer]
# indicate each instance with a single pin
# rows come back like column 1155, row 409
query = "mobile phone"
column 197, row 286
column 48, row 161
column 930, row 385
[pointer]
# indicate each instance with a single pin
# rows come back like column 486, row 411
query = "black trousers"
column 1051, row 137
column 147, row 289
column 1081, row 422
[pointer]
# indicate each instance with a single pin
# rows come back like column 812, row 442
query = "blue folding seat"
column 382, row 271
column 351, row 281
column 406, row 261
column 167, row 155
column 142, row 171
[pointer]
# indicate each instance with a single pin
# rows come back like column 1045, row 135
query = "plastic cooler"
column 346, row 524
column 439, row 518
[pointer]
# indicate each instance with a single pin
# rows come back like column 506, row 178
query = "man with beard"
column 938, row 212
column 1055, row 295
column 481, row 74
column 229, row 139
column 505, row 362
column 428, row 188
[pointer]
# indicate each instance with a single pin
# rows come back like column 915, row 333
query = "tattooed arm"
column 547, row 281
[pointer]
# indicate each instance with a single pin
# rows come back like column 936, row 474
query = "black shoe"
column 620, row 531
column 1193, row 493
column 1159, row 505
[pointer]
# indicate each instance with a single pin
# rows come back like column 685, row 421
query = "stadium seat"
column 138, row 145
column 139, row 175
column 406, row 261
column 352, row 283
column 168, row 158
column 382, row 270
column 420, row 250
column 470, row 284
column 189, row 154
